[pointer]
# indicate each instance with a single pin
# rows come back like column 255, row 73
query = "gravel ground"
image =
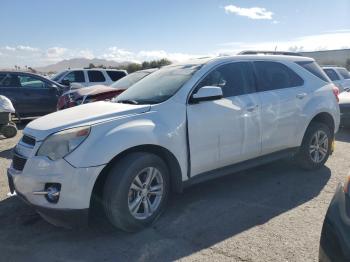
column 271, row 213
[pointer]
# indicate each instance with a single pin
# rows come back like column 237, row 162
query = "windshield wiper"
column 127, row 101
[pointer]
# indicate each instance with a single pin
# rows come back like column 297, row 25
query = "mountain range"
column 78, row 63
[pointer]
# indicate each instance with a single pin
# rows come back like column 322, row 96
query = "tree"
column 133, row 67
column 145, row 65
column 31, row 69
column 164, row 62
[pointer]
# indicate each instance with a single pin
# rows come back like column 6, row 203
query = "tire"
column 9, row 131
column 119, row 197
column 306, row 156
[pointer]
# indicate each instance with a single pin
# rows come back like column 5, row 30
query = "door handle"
column 301, row 95
column 252, row 108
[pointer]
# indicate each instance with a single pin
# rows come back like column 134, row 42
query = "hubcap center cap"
column 144, row 192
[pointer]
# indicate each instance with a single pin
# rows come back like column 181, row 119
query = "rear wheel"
column 136, row 191
column 316, row 146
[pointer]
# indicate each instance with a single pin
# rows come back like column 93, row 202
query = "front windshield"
column 129, row 80
column 158, row 86
column 58, row 76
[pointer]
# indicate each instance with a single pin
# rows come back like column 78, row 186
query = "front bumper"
column 335, row 236
column 75, row 194
column 68, row 218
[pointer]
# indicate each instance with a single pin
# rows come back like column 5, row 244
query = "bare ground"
column 271, row 213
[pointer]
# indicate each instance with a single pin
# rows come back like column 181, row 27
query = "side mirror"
column 65, row 82
column 207, row 93
column 53, row 87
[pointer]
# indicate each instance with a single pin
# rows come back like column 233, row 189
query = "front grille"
column 18, row 162
column 28, row 140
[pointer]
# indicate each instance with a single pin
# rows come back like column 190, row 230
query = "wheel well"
column 326, row 119
column 163, row 153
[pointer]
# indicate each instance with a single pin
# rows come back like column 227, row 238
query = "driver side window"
column 75, row 77
column 235, row 79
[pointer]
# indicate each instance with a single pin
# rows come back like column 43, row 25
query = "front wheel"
column 136, row 191
column 316, row 146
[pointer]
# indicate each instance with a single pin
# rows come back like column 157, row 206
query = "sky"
column 41, row 32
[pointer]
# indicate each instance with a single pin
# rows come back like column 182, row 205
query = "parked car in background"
column 335, row 235
column 31, row 94
column 339, row 75
column 89, row 77
column 181, row 125
column 344, row 105
column 99, row 92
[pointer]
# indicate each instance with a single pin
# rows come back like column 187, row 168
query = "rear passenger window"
column 235, row 79
column 9, row 80
column 75, row 77
column 96, row 76
column 331, row 74
column 274, row 75
column 116, row 75
column 314, row 69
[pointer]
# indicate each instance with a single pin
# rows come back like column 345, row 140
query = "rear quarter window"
column 314, row 69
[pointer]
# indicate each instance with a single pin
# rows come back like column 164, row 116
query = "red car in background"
column 86, row 95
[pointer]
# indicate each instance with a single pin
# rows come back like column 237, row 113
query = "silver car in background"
column 339, row 75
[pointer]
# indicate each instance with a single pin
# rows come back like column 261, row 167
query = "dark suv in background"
column 31, row 95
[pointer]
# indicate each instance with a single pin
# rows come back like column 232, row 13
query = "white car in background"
column 339, row 75
column 78, row 78
column 178, row 126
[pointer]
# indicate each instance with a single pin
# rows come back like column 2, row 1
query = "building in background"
column 339, row 57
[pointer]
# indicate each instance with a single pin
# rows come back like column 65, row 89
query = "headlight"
column 60, row 144
column 89, row 100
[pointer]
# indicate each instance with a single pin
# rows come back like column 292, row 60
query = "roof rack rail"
column 253, row 52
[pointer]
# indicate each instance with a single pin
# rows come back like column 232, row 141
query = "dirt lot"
column 271, row 213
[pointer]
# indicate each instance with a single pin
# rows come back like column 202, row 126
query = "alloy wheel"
column 145, row 193
column 319, row 146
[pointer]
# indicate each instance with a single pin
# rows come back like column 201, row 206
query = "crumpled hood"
column 94, row 90
column 87, row 114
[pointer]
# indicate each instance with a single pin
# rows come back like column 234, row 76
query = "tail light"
column 336, row 92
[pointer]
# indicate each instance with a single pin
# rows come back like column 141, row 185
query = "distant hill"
column 78, row 63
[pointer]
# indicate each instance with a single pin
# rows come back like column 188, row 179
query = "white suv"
column 89, row 77
column 180, row 125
